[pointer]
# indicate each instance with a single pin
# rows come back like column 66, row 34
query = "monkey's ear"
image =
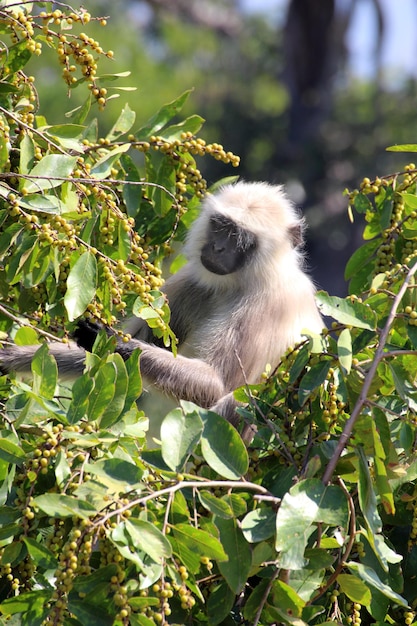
column 296, row 234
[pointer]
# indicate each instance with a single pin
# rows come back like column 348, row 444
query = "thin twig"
column 214, row 484
column 25, row 324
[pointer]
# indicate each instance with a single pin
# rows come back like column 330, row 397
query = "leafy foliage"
column 317, row 521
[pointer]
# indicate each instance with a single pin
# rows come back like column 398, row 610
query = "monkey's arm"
column 178, row 376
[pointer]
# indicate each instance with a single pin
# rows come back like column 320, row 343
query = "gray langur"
column 241, row 300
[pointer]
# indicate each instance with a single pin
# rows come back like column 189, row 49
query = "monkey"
column 239, row 302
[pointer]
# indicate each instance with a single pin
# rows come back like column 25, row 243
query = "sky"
column 400, row 42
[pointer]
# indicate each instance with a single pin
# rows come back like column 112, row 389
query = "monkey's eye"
column 219, row 222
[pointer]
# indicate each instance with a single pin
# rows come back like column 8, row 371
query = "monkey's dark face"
column 228, row 247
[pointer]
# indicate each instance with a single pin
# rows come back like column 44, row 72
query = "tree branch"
column 379, row 356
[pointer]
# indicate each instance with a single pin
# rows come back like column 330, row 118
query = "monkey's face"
column 228, row 247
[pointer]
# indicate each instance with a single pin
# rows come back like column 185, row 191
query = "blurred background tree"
column 276, row 81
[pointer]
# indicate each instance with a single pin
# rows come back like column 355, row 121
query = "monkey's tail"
column 69, row 357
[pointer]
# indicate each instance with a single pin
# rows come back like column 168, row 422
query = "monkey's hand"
column 86, row 332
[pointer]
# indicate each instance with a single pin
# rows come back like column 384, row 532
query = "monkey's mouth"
column 215, row 267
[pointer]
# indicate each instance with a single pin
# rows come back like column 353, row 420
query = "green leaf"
column 405, row 147
column 381, row 478
column 360, row 258
column 123, row 124
column 342, row 310
column 134, row 388
column 45, row 373
column 49, row 166
column 14, row 58
column 102, row 168
column 39, row 554
column 286, row 600
column 29, row 601
column 4, row 151
column 180, row 433
column 27, row 154
column 87, row 612
column 200, row 542
column 13, row 553
column 410, row 200
column 299, row 364
column 81, row 390
column 215, row 505
column 81, row 285
column 149, row 539
column 41, row 203
column 90, row 583
column 222, row 447
column 8, row 237
column 164, row 115
column 312, row 379
column 26, row 335
column 67, row 135
column 344, row 350
column 367, row 498
column 219, row 604
column 11, row 452
column 132, row 194
column 62, row 469
column 115, row 407
column 103, row 391
column 60, row 505
column 354, row 588
column 306, row 504
column 191, row 125
column 259, row 525
column 370, row 577
column 236, row 569
column 116, row 473
column 163, row 174
column 80, row 114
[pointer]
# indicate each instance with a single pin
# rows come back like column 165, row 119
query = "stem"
column 379, row 356
column 214, row 484
column 22, row 323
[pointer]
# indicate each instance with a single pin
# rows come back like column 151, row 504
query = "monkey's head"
column 241, row 232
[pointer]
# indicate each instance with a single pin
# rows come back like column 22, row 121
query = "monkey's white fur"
column 229, row 326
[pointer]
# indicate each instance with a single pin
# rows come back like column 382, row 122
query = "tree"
column 317, row 521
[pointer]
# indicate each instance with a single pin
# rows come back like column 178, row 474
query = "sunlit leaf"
column 366, row 493
column 259, row 525
column 11, row 452
column 103, row 166
column 162, row 117
column 200, row 542
column 45, row 171
column 347, row 312
column 180, row 433
column 344, row 350
column 146, row 537
column 61, row 505
column 123, row 124
column 370, row 578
